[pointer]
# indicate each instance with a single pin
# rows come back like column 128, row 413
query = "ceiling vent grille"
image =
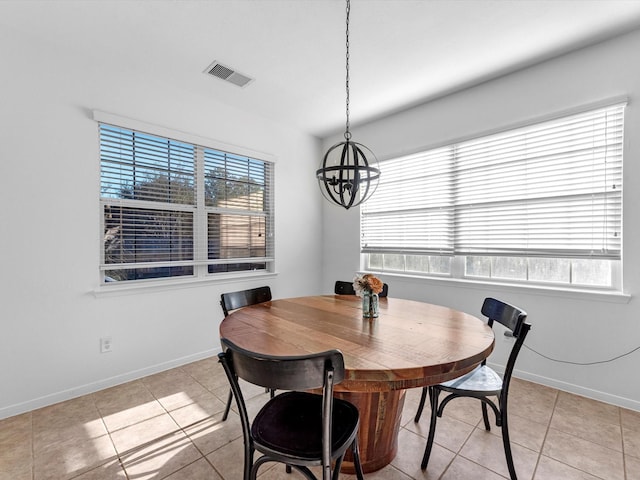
column 228, row 74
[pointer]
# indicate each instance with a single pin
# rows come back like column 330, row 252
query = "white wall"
column 51, row 319
column 565, row 326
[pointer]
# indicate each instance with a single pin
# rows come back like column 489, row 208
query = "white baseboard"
column 47, row 400
column 573, row 388
column 80, row 390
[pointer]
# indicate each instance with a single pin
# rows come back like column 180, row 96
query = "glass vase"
column 370, row 307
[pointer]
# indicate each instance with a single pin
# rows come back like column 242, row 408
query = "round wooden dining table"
column 410, row 344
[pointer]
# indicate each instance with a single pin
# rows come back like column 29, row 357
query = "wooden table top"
column 411, row 344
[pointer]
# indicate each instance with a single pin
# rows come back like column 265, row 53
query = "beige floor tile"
column 467, row 410
column 550, row 469
column 594, row 430
column 585, row 439
column 211, row 434
column 584, row 455
column 160, row 458
column 198, row 470
column 228, row 460
column 205, row 406
column 68, row 459
column 15, row 471
column 147, row 431
column 16, row 451
column 208, row 373
column 632, row 467
column 410, row 452
column 111, row 470
column 450, row 432
column 463, row 469
column 522, row 431
column 630, row 418
column 78, row 419
column 126, row 404
column 175, row 389
column 18, row 425
column 387, row 473
column 631, row 442
column 487, row 450
column 276, row 471
column 582, row 407
column 527, row 399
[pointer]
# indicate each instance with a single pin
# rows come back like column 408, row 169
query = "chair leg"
column 423, row 397
column 355, row 449
column 507, row 444
column 228, row 407
column 272, row 392
column 485, row 416
column 433, row 399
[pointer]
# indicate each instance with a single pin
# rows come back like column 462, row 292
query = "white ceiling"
column 403, row 52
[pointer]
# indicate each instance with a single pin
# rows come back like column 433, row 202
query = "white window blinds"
column 551, row 190
column 170, row 207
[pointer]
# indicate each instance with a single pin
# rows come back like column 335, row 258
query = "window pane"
column 375, row 261
column 418, row 263
column 147, row 273
column 440, row 265
column 478, row 266
column 509, row 267
column 235, row 182
column 394, row 262
column 236, row 236
column 592, row 272
column 139, row 166
column 550, row 270
column 149, row 199
column 237, row 267
column 136, row 235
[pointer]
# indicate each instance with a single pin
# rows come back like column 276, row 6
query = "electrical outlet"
column 105, row 345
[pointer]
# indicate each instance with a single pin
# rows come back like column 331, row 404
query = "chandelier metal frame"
column 349, row 173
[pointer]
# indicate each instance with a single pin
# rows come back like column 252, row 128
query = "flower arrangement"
column 367, row 283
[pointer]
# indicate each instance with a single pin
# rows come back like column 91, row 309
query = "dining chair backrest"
column 514, row 319
column 242, row 298
column 507, row 315
column 346, row 288
column 296, row 408
column 285, row 372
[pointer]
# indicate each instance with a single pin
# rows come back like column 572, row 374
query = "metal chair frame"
column 234, row 300
column 514, row 319
column 297, row 374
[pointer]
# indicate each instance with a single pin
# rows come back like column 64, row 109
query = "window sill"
column 611, row 296
column 149, row 286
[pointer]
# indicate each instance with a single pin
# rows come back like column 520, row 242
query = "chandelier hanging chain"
column 346, row 176
column 347, row 133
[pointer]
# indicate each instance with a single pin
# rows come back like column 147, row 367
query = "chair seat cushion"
column 482, row 379
column 291, row 424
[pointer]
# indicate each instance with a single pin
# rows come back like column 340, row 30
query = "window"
column 176, row 209
column 537, row 204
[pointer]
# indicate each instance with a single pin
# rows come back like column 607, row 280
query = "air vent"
column 228, row 74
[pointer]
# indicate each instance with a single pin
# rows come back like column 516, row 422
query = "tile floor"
column 168, row 426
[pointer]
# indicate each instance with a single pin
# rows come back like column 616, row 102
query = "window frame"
column 199, row 209
column 457, row 271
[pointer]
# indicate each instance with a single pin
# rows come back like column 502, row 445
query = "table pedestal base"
column 380, row 414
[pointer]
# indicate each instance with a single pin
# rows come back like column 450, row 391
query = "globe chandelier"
column 349, row 173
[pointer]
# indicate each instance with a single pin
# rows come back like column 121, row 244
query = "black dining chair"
column 346, row 288
column 297, row 428
column 482, row 382
column 234, row 300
